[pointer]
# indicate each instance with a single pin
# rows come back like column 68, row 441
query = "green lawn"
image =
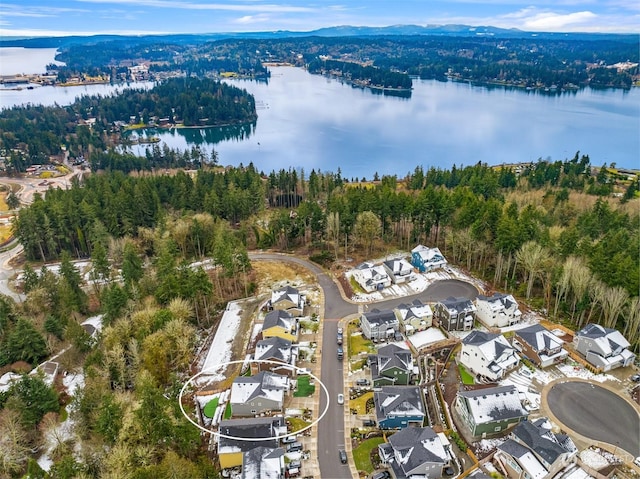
column 304, row 388
column 360, row 404
column 227, row 411
column 465, row 376
column 297, row 424
column 210, row 408
column 362, row 454
column 359, row 344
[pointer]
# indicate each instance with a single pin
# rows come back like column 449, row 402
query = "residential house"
column 499, row 310
column 427, row 259
column 263, row 392
column 280, row 323
column 414, row 317
column 534, row 451
column 237, row 436
column 455, row 314
column 604, row 348
column 491, row 410
column 539, row 345
column 488, row 356
column 397, row 407
column 263, row 463
column 279, row 353
column 288, row 299
column 393, row 365
column 399, row 270
column 371, row 277
column 415, row 452
column 379, row 325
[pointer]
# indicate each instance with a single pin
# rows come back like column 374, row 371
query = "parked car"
column 369, row 423
column 340, row 398
column 448, row 471
column 381, row 475
column 289, row 439
column 362, row 382
column 294, row 447
column 294, row 465
column 343, row 456
column 635, row 378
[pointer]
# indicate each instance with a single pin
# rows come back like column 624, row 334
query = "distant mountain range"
column 337, row 31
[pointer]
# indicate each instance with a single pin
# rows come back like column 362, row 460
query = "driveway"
column 596, row 413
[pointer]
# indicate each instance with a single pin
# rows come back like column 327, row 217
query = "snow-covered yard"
column 425, row 338
column 219, row 353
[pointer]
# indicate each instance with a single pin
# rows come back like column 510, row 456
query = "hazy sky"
column 84, row 17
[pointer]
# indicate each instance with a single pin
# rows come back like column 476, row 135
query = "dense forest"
column 526, row 61
column 360, row 74
column 537, row 233
column 33, row 134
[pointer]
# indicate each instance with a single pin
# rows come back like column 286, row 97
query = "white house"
column 414, row 317
column 499, row 310
column 488, row 356
column 415, row 452
column 427, row 259
column 399, row 270
column 604, row 348
column 371, row 277
column 379, row 325
column 289, row 299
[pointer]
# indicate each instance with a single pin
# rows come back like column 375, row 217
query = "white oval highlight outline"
column 252, row 439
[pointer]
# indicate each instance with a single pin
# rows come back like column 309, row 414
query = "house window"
column 253, row 411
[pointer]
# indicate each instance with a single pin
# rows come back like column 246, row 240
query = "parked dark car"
column 343, row 456
column 369, row 423
column 362, row 382
column 448, row 471
column 381, row 475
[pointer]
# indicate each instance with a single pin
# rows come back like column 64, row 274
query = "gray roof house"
column 371, row 277
column 399, row 270
column 280, row 323
column 254, row 432
column 499, row 310
column 397, row 407
column 392, row 366
column 263, row 392
column 539, row 345
column 488, row 356
column 534, row 451
column 289, row 299
column 263, row 463
column 415, row 452
column 275, row 350
column 414, row 317
column 379, row 325
column 490, row 411
column 604, row 348
column 455, row 314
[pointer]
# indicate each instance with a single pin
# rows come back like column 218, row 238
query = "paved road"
column 331, row 433
column 596, row 413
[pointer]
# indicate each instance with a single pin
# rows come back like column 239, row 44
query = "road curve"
column 596, row 413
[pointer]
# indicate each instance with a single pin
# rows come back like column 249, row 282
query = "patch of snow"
column 426, row 337
column 488, row 445
column 220, row 349
column 593, row 459
column 577, row 371
column 72, row 382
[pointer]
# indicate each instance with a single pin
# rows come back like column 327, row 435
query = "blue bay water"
column 311, row 122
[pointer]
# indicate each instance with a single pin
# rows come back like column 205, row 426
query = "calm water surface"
column 312, row 122
column 18, row 60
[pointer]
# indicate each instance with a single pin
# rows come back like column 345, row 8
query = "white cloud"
column 251, row 19
column 12, row 10
column 557, row 21
column 180, row 5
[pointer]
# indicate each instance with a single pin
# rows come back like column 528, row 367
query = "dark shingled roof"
column 539, row 441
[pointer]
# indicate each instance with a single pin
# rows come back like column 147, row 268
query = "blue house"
column 398, row 407
column 427, row 259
